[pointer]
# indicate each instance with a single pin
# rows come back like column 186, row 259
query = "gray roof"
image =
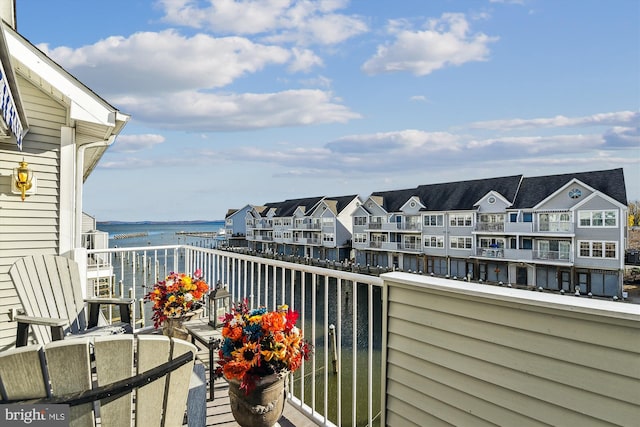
column 535, row 189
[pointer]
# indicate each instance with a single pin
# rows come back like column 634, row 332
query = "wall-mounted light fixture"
column 23, row 181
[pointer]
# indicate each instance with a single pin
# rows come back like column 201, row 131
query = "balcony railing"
column 553, row 255
column 330, row 303
column 468, row 347
column 490, row 226
column 490, row 252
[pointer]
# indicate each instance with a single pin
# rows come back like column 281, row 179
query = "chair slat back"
column 178, row 388
column 26, row 372
column 153, row 350
column 50, row 286
column 21, row 373
column 114, row 362
column 69, row 368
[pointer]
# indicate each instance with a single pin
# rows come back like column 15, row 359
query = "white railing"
column 330, row 302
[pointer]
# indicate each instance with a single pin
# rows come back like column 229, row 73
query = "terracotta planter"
column 263, row 406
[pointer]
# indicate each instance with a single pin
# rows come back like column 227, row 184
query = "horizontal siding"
column 30, row 226
column 482, row 360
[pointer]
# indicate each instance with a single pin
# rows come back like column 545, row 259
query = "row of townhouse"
column 558, row 232
column 314, row 227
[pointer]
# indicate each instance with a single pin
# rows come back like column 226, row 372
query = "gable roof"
column 535, row 189
column 288, row 207
column 337, row 204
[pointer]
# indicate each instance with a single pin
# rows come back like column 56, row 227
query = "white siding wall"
column 474, row 355
column 31, row 226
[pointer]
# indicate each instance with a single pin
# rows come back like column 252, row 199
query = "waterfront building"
column 559, row 232
column 314, row 227
column 563, row 232
column 61, row 129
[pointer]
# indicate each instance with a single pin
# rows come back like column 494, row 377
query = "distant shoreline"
column 157, row 222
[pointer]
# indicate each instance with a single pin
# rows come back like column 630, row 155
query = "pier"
column 130, row 235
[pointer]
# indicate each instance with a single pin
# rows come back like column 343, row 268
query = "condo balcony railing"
column 340, row 314
column 489, row 226
column 409, row 348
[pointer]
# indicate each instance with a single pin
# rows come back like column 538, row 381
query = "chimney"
column 8, row 12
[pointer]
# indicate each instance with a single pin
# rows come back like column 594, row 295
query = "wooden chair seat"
column 140, row 381
column 50, row 290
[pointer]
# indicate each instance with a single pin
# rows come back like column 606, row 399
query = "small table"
column 201, row 331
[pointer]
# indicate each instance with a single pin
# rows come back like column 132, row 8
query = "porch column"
column 67, row 190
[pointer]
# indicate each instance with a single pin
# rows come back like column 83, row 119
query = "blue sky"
column 255, row 101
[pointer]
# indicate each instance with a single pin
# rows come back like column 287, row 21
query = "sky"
column 256, row 101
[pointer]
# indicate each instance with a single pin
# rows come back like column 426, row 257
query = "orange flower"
column 234, row 369
column 273, row 321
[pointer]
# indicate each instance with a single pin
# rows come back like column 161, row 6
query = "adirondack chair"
column 141, row 381
column 50, row 291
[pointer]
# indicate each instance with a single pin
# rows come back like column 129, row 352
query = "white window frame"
column 427, row 220
column 360, row 238
column 436, row 242
column 460, row 220
column 601, row 215
column 467, row 242
column 599, row 247
column 360, row 220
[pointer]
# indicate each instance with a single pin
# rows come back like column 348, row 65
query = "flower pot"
column 263, row 406
column 174, row 326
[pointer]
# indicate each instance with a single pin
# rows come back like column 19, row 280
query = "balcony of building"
column 416, row 350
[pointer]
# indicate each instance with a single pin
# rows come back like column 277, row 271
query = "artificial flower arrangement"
column 176, row 296
column 257, row 343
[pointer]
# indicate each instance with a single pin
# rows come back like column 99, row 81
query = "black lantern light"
column 219, row 305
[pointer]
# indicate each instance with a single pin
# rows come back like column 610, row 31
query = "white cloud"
column 414, row 151
column 166, row 62
column 446, row 41
column 301, row 22
column 418, row 98
column 618, row 118
column 304, row 60
column 132, row 143
column 203, row 112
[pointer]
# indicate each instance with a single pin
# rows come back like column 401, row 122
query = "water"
column 159, row 234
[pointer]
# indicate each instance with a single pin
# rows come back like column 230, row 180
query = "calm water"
column 158, row 234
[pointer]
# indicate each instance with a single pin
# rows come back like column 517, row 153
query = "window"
column 527, row 244
column 513, row 217
column 460, row 242
column 327, row 237
column 527, row 217
column 433, row 241
column 433, row 220
column 598, row 218
column 597, row 249
column 555, row 221
column 360, row 237
column 460, row 220
column 360, row 220
column 513, row 242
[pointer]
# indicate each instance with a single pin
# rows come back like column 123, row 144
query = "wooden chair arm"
column 22, row 333
column 117, row 301
column 45, row 321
